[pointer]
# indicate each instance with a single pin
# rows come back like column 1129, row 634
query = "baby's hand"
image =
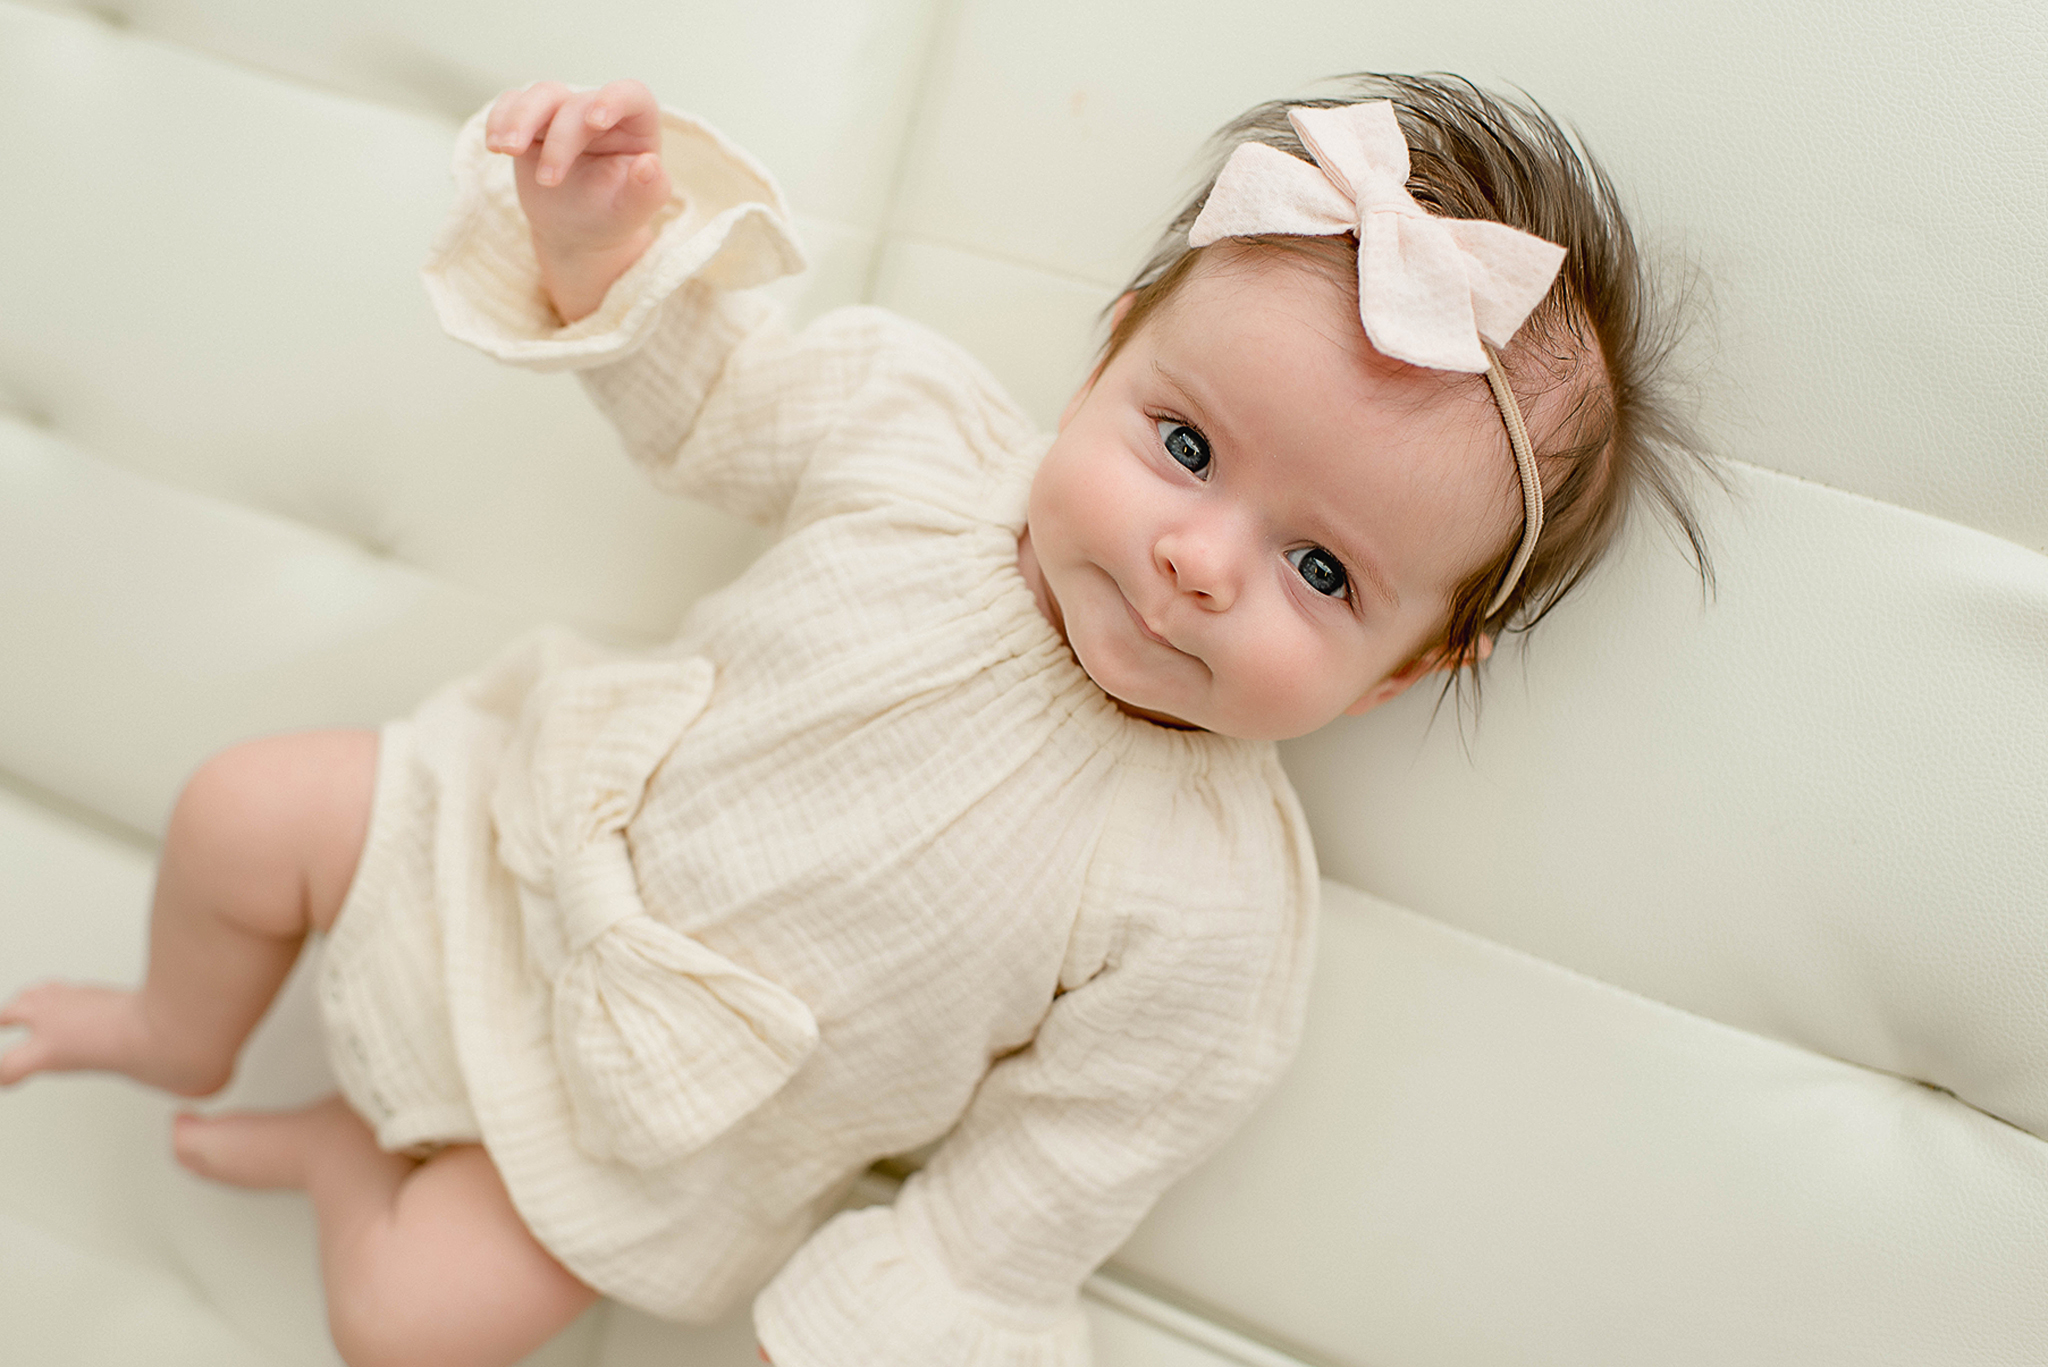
column 590, row 179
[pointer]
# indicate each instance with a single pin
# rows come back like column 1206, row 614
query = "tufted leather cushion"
column 1701, row 1021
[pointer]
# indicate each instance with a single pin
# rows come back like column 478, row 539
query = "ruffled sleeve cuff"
column 726, row 225
column 864, row 1292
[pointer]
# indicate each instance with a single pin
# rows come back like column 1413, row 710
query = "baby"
column 957, row 816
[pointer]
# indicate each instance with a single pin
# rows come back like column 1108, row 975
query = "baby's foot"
column 76, row 1027
column 263, row 1149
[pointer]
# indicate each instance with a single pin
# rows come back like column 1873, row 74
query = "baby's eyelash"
column 1323, row 572
column 1186, row 444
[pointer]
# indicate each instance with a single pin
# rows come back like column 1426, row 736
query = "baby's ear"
column 1428, row 662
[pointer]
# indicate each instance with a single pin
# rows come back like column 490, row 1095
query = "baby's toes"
column 33, row 1054
column 21, row 1007
column 242, row 1150
column 29, row 1057
column 76, row 1026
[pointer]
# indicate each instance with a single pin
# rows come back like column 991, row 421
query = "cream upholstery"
column 1705, row 1019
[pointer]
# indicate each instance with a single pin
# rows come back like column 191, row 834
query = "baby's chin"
column 1215, row 721
column 1156, row 718
column 1213, row 725
column 1125, row 682
column 1130, row 701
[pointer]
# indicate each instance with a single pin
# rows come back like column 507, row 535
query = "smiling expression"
column 1252, row 522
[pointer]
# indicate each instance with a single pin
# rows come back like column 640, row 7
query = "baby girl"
column 955, row 823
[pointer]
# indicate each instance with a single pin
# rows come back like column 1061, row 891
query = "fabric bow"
column 663, row 1043
column 1429, row 288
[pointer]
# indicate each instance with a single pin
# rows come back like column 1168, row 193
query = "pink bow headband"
column 1435, row 292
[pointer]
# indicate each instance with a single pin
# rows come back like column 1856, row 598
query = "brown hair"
column 1602, row 334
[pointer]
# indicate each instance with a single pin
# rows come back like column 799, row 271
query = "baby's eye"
column 1185, row 445
column 1324, row 573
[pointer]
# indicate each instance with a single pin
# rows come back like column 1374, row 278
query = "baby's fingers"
column 629, row 110
column 646, row 187
column 579, row 119
column 620, row 118
column 519, row 116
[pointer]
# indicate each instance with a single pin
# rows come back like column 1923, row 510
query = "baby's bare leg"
column 261, row 848
column 423, row 1263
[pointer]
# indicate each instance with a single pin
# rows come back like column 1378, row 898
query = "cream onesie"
column 861, row 861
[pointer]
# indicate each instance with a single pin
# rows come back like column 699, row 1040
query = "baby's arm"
column 1134, row 1077
column 711, row 393
column 590, row 178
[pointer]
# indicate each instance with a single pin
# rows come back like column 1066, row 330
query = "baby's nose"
column 1199, row 562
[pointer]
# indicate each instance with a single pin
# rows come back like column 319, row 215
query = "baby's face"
column 1251, row 521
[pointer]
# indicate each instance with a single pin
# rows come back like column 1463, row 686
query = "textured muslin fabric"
column 381, row 994
column 861, row 861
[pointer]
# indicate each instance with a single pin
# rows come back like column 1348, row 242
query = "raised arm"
column 588, row 166
column 627, row 253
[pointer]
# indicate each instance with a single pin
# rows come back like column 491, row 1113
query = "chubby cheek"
column 1074, row 515
column 1273, row 692
column 1284, row 679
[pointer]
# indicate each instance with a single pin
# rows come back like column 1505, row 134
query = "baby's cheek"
column 1291, row 683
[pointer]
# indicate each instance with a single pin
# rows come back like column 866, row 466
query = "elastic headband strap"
column 1432, row 291
column 1525, row 466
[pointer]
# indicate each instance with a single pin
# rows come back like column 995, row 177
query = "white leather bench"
column 1691, row 1008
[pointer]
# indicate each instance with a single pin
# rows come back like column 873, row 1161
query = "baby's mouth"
column 1146, row 630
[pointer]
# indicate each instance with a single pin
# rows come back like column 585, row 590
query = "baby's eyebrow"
column 1368, row 569
column 1210, row 425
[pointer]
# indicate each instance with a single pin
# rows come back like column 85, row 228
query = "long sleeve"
column 1134, row 1076
column 712, row 394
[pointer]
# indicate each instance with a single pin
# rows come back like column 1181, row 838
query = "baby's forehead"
column 1553, row 363
column 1238, row 270
column 1298, row 305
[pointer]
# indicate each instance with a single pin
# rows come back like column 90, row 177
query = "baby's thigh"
column 282, row 812
column 450, row 1275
